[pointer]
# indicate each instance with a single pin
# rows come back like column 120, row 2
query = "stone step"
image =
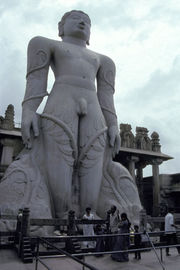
column 27, row 250
column 26, row 245
column 27, row 260
column 27, row 255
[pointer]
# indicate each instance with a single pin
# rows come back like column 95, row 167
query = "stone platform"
column 9, row 261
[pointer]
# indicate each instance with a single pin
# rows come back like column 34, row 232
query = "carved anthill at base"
column 118, row 188
column 24, row 185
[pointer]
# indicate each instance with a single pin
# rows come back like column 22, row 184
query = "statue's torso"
column 74, row 61
column 75, row 69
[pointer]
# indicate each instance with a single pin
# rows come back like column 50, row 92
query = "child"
column 137, row 242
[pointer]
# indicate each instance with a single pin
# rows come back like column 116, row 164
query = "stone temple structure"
column 138, row 151
column 10, row 139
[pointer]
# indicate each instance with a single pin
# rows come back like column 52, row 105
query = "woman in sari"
column 122, row 241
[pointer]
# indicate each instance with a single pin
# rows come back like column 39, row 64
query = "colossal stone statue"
column 67, row 162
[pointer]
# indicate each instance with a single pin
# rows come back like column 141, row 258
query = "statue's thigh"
column 60, row 141
column 92, row 145
column 91, row 165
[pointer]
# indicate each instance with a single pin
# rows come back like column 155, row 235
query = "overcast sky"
column 141, row 36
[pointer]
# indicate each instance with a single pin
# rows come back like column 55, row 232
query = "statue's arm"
column 105, row 92
column 38, row 60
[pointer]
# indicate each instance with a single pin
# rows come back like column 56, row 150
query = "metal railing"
column 154, row 249
column 90, row 238
column 73, row 257
column 23, row 221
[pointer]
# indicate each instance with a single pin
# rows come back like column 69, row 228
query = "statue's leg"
column 92, row 145
column 59, row 143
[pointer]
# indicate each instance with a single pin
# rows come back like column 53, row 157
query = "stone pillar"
column 143, row 220
column 71, row 231
column 156, row 185
column 139, row 173
column 139, row 181
column 25, row 230
column 131, row 165
column 71, row 222
column 108, row 221
column 19, row 225
column 25, row 222
column 7, row 152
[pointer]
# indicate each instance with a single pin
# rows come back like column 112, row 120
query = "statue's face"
column 77, row 25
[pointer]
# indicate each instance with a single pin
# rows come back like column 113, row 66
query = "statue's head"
column 73, row 18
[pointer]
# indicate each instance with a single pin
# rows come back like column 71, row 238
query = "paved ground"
column 9, row 261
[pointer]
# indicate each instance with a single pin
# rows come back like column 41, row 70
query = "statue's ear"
column 61, row 30
column 87, row 42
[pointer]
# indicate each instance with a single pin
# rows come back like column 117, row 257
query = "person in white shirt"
column 114, row 219
column 170, row 231
column 88, row 229
column 114, row 223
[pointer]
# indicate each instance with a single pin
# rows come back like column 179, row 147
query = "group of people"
column 119, row 224
column 120, row 228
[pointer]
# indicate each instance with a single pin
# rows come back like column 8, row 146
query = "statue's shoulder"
column 40, row 42
column 106, row 61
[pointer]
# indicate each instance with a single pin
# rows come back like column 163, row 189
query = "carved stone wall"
column 7, row 122
column 141, row 140
column 10, row 139
column 127, row 137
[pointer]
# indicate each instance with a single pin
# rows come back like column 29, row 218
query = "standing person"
column 137, row 242
column 170, row 231
column 122, row 241
column 114, row 219
column 88, row 229
column 114, row 222
column 100, row 243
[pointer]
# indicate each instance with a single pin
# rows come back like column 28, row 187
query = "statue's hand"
column 29, row 121
column 114, row 139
